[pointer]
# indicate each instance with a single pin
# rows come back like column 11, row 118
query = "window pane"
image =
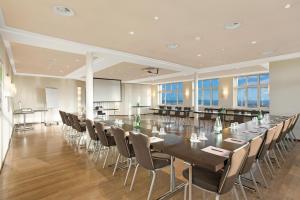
column 180, row 98
column 241, row 98
column 215, row 96
column 264, row 97
column 215, row 83
column 200, row 97
column 264, row 79
column 174, row 86
column 252, row 80
column 206, row 97
column 163, row 86
column 241, row 81
column 252, row 97
column 200, row 84
column 180, row 86
column 168, row 87
column 206, row 84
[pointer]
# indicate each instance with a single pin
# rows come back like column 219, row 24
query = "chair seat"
column 204, row 178
column 160, row 160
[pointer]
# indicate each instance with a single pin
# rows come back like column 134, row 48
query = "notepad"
column 216, row 151
column 155, row 139
column 236, row 141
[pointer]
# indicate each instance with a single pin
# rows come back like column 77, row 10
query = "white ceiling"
column 196, row 26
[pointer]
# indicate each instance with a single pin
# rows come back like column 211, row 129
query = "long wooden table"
column 177, row 143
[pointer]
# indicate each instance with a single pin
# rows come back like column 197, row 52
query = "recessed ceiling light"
column 197, row 38
column 131, row 32
column 199, row 55
column 156, row 18
column 253, row 42
column 232, row 25
column 172, row 46
column 287, row 5
column 63, row 11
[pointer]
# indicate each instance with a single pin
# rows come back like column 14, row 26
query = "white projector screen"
column 107, row 90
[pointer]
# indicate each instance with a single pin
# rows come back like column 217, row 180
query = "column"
column 195, row 98
column 89, row 87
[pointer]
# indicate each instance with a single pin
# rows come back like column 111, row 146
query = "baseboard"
column 9, row 143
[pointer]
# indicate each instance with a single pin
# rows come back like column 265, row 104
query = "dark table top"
column 177, row 142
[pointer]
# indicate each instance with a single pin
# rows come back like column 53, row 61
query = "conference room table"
column 177, row 144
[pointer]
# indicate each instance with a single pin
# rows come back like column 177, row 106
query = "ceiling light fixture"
column 199, row 55
column 287, row 5
column 156, row 18
column 131, row 33
column 63, row 11
column 197, row 38
column 172, row 46
column 253, row 42
column 232, row 25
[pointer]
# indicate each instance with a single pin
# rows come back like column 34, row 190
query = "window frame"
column 258, row 85
column 211, row 89
column 171, row 91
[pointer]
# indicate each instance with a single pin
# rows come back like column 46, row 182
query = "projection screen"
column 106, row 90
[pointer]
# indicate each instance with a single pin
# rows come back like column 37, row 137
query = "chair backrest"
column 67, row 120
column 238, row 118
column 70, row 117
column 76, row 123
column 255, row 145
column 277, row 134
column 294, row 121
column 62, row 117
column 269, row 135
column 101, row 133
column 91, row 130
column 285, row 128
column 141, row 147
column 121, row 141
column 232, row 168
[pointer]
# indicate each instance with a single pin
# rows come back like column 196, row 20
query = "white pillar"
column 89, row 87
column 195, row 98
column 196, row 92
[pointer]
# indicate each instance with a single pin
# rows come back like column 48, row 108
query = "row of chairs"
column 269, row 148
column 275, row 143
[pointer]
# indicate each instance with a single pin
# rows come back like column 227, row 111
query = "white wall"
column 31, row 93
column 6, row 121
column 285, row 89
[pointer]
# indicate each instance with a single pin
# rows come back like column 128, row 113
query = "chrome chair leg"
column 134, row 175
column 255, row 184
column 106, row 157
column 261, row 173
column 116, row 165
column 128, row 171
column 152, row 185
column 217, row 197
column 276, row 159
column 185, row 190
column 268, row 166
column 271, row 164
column 235, row 193
column 242, row 187
column 280, row 153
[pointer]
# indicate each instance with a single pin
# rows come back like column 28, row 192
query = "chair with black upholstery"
column 222, row 181
column 124, row 147
column 149, row 160
column 93, row 136
column 79, row 127
column 106, row 139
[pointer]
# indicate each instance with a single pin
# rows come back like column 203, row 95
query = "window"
column 253, row 91
column 208, row 92
column 171, row 93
